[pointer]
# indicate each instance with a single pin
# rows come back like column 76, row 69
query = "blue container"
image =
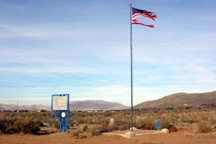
column 158, row 124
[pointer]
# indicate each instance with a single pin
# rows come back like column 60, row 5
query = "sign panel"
column 60, row 107
column 60, row 103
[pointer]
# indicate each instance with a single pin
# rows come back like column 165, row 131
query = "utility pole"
column 17, row 105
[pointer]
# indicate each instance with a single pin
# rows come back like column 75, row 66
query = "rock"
column 172, row 129
column 134, row 128
column 165, row 130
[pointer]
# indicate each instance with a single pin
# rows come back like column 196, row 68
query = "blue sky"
column 82, row 48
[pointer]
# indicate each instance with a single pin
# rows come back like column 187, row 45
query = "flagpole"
column 131, row 58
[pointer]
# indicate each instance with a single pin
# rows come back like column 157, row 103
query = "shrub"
column 189, row 118
column 93, row 130
column 140, row 123
column 147, row 123
column 204, row 126
column 76, row 133
column 104, row 128
column 27, row 125
column 6, row 125
column 121, row 125
column 111, row 127
column 56, row 124
column 85, row 127
column 74, row 123
column 81, row 136
column 165, row 123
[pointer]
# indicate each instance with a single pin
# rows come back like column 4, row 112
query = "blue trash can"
column 158, row 124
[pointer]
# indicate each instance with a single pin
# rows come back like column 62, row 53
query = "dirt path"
column 181, row 137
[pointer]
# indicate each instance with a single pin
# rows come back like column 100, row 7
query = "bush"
column 204, row 126
column 117, row 125
column 140, row 123
column 122, row 125
column 23, row 122
column 85, row 127
column 56, row 124
column 93, row 130
column 76, row 133
column 147, row 123
column 189, row 118
column 165, row 123
column 27, row 125
column 6, row 125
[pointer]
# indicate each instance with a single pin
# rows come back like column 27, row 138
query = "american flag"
column 137, row 22
column 142, row 13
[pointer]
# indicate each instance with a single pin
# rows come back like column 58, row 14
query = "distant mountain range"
column 181, row 99
column 96, row 104
column 74, row 105
column 13, row 107
column 173, row 100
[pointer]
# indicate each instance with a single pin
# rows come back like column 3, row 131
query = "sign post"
column 60, row 107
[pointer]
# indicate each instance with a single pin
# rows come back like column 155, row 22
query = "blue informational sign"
column 60, row 107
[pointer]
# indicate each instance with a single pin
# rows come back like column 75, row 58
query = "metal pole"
column 131, row 58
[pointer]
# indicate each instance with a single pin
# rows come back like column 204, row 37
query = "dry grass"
column 92, row 123
column 204, row 126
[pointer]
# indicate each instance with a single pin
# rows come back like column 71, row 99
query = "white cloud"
column 40, row 31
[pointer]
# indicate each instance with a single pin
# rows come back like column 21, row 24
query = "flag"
column 137, row 22
column 142, row 13
column 137, row 13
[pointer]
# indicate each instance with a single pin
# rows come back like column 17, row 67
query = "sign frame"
column 60, row 107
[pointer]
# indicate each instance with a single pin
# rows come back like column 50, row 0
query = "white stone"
column 133, row 128
column 166, row 131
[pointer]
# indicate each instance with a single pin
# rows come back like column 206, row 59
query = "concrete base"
column 129, row 134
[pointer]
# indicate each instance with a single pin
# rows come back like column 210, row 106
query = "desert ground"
column 193, row 127
column 186, row 136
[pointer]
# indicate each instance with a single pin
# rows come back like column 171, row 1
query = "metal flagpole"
column 131, row 58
